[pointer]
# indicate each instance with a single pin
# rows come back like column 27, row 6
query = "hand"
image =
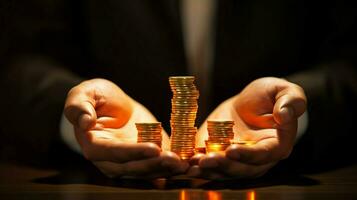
column 104, row 118
column 266, row 112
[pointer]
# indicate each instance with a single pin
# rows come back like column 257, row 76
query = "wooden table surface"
column 24, row 182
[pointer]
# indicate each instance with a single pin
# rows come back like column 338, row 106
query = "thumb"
column 290, row 104
column 79, row 109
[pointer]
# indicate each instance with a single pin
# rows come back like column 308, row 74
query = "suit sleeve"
column 329, row 140
column 331, row 89
column 39, row 55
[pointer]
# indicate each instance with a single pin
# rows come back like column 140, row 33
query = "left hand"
column 266, row 112
column 103, row 118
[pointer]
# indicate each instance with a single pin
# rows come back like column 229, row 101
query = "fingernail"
column 287, row 113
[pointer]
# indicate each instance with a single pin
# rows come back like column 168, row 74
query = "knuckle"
column 298, row 87
column 69, row 110
column 299, row 90
column 152, row 146
column 73, row 91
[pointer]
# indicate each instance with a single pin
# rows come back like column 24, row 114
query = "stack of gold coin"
column 183, row 115
column 220, row 134
column 149, row 132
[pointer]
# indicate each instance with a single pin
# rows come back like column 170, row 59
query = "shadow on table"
column 92, row 176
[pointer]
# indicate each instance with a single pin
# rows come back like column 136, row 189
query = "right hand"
column 266, row 112
column 104, row 118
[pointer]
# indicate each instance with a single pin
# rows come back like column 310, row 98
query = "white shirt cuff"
column 303, row 122
column 67, row 135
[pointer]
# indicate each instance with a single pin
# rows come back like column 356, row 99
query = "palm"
column 104, row 120
column 265, row 112
column 252, row 111
column 243, row 128
column 116, row 113
column 128, row 132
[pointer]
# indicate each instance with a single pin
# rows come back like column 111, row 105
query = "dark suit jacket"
column 47, row 47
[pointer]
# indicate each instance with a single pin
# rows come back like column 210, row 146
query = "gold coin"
column 184, row 109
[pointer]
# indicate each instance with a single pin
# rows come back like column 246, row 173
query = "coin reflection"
column 184, row 195
column 213, row 195
column 251, row 195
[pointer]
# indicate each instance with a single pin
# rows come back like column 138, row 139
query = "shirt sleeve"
column 68, row 136
column 303, row 122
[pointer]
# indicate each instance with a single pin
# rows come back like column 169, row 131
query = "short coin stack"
column 220, row 134
column 149, row 132
column 183, row 115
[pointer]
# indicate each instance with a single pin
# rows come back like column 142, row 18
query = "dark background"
column 47, row 47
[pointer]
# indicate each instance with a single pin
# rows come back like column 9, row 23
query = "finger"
column 109, row 122
column 212, row 161
column 115, row 170
column 263, row 121
column 290, row 104
column 79, row 109
column 110, row 169
column 263, row 152
column 99, row 149
column 197, row 172
column 165, row 165
column 212, row 175
column 231, row 168
column 196, row 158
column 81, row 115
column 194, row 171
column 172, row 162
column 169, row 164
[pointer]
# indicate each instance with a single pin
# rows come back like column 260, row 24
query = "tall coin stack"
column 149, row 132
column 220, row 134
column 183, row 115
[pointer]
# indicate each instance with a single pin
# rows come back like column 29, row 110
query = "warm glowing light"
column 243, row 142
column 249, row 143
column 213, row 195
column 200, row 150
column 160, row 183
column 184, row 157
column 251, row 195
column 184, row 195
column 215, row 147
